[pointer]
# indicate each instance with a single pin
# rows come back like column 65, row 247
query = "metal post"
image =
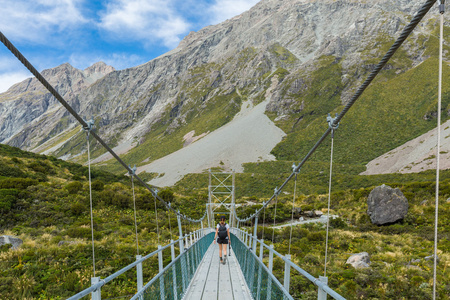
column 287, row 273
column 269, row 281
column 261, row 252
column 322, row 295
column 97, row 294
column 190, row 238
column 202, row 232
column 255, row 234
column 180, row 228
column 174, row 271
column 161, row 278
column 188, row 260
column 186, row 241
column 140, row 280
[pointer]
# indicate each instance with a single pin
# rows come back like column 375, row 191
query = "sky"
column 121, row 33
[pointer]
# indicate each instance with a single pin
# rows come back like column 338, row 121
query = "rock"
column 386, row 205
column 424, row 202
column 318, row 213
column 310, row 213
column 431, row 257
column 15, row 242
column 448, row 200
column 359, row 260
column 415, row 261
column 61, row 243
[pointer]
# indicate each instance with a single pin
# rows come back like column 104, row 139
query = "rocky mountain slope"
column 310, row 55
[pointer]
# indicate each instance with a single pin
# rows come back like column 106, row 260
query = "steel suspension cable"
column 264, row 221
column 88, row 129
column 405, row 33
column 170, row 225
column 156, row 219
column 292, row 212
column 83, row 123
column 134, row 206
column 329, row 201
column 441, row 38
column 274, row 218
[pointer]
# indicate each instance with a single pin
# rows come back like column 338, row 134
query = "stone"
column 386, row 205
column 15, row 242
column 431, row 257
column 62, row 243
column 359, row 260
column 318, row 213
column 424, row 202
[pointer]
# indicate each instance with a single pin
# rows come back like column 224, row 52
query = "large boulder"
column 386, row 205
column 359, row 260
column 6, row 239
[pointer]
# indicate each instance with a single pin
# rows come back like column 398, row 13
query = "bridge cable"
column 405, row 33
column 170, row 225
column 61, row 100
column 132, row 174
column 293, row 207
column 333, row 127
column 88, row 129
column 274, row 216
column 441, row 38
column 264, row 221
column 156, row 219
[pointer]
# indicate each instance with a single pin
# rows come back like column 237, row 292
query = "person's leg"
column 224, row 249
column 220, row 251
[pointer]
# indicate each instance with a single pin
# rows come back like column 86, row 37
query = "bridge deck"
column 214, row 280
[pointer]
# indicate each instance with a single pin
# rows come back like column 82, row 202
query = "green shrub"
column 338, row 223
column 17, row 183
column 78, row 208
column 74, row 187
column 97, row 185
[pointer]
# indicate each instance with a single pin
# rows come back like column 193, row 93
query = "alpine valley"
column 299, row 59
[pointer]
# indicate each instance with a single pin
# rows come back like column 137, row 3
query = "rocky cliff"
column 295, row 53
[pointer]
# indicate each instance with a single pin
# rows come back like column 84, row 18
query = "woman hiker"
column 223, row 237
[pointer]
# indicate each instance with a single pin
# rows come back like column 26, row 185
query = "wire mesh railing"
column 171, row 283
column 173, row 280
column 261, row 282
column 260, row 279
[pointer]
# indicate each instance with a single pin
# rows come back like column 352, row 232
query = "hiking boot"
column 221, row 260
column 225, row 260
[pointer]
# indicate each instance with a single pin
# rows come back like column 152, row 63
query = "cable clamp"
column 132, row 171
column 295, row 167
column 155, row 191
column 442, row 6
column 277, row 191
column 331, row 120
column 89, row 125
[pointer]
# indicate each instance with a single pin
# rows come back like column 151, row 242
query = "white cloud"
column 9, row 79
column 226, row 9
column 34, row 20
column 145, row 20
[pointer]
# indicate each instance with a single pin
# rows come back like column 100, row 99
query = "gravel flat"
column 414, row 156
column 249, row 137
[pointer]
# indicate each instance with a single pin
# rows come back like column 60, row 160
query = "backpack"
column 223, row 231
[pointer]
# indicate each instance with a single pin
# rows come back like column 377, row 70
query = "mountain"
column 304, row 58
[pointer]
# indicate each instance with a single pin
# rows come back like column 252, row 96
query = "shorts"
column 222, row 241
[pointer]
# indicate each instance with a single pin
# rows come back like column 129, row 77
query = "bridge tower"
column 221, row 196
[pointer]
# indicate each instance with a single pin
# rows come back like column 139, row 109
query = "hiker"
column 223, row 237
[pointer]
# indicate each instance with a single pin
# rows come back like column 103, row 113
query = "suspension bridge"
column 193, row 270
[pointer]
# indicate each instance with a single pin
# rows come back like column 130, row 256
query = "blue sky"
column 122, row 33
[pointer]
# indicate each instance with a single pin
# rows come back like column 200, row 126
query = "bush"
column 78, row 208
column 74, row 187
column 338, row 223
column 97, row 185
column 17, row 183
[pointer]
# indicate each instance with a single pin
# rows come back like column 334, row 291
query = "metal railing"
column 173, row 280
column 260, row 280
